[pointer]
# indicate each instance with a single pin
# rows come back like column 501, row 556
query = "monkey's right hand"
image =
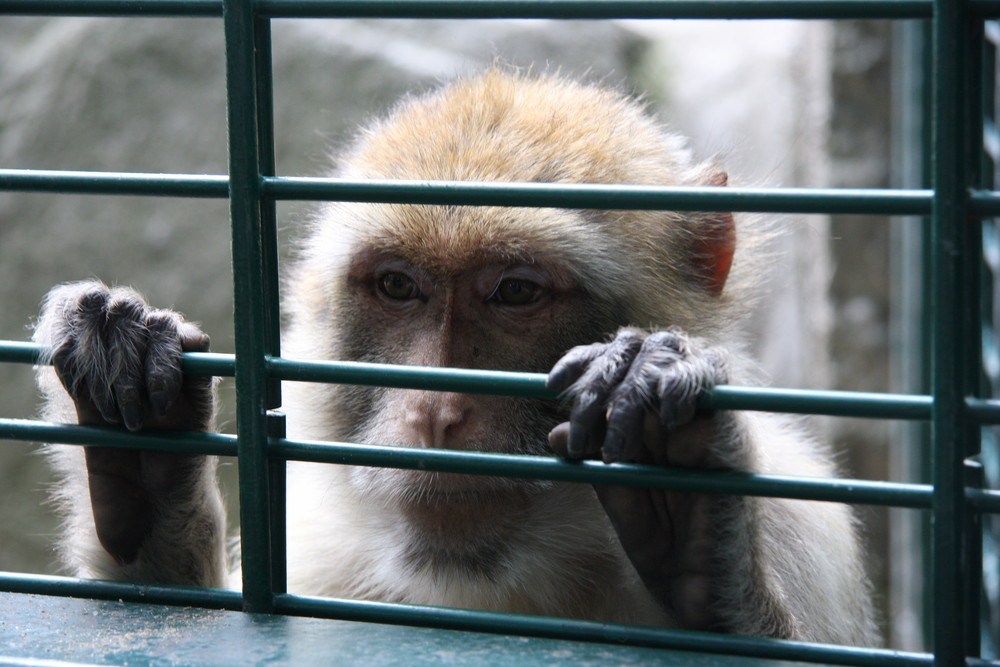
column 120, row 362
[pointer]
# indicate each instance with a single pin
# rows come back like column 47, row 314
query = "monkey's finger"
column 163, row 360
column 679, row 391
column 90, row 353
column 126, row 342
column 587, row 431
column 192, row 338
column 636, row 395
column 573, row 365
column 625, row 417
column 559, row 440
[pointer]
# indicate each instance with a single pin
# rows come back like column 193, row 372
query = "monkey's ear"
column 715, row 243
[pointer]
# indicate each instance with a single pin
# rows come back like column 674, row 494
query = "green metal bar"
column 596, row 9
column 113, row 183
column 589, row 631
column 18, row 352
column 949, row 426
column 181, row 442
column 552, row 468
column 600, row 196
column 836, row 403
column 184, row 596
column 505, row 383
column 484, row 463
column 491, row 9
column 773, row 200
column 250, row 324
column 212, row 8
column 277, row 473
column 985, row 203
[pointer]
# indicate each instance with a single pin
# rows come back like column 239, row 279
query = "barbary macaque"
column 632, row 314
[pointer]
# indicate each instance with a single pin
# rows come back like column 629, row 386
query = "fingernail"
column 576, row 448
column 614, row 443
column 556, row 381
column 132, row 415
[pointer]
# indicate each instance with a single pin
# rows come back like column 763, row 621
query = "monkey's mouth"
column 445, row 490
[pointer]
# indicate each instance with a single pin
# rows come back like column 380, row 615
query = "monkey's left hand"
column 635, row 401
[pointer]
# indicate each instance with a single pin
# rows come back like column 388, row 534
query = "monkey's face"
column 460, row 301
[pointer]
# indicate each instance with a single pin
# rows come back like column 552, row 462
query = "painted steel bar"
column 769, row 399
column 495, row 9
column 858, row 201
column 19, row 352
column 484, row 463
column 250, row 324
column 983, row 501
column 947, row 307
column 115, row 183
column 861, row 201
column 596, row 9
column 181, row 442
column 276, row 467
column 504, row 383
column 183, row 596
column 854, row 491
column 559, row 628
column 210, row 8
column 984, row 203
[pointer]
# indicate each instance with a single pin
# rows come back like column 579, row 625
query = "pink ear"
column 715, row 244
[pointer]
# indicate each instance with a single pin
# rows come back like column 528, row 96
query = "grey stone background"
column 777, row 103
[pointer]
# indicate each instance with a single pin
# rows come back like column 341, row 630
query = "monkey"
column 633, row 315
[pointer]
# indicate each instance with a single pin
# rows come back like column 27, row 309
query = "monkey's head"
column 498, row 288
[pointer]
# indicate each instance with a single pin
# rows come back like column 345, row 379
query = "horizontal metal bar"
column 869, row 405
column 766, row 399
column 728, row 397
column 575, row 630
column 984, row 500
column 484, row 463
column 595, row 9
column 183, row 442
column 501, row 383
column 983, row 411
column 19, row 352
column 602, row 196
column 115, row 183
column 854, row 491
column 860, row 201
column 183, row 596
column 985, row 203
column 211, row 8
column 497, row 9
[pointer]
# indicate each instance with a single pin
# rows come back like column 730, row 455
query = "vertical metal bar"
column 949, row 426
column 973, row 565
column 249, row 325
column 270, row 303
column 268, row 213
column 910, row 449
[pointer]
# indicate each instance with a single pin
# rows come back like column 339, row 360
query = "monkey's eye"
column 397, row 286
column 515, row 292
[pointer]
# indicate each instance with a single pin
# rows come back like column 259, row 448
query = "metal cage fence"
column 956, row 407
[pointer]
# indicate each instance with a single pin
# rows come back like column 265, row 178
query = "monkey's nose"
column 439, row 420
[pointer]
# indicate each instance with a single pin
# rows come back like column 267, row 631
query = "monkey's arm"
column 758, row 566
column 130, row 514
